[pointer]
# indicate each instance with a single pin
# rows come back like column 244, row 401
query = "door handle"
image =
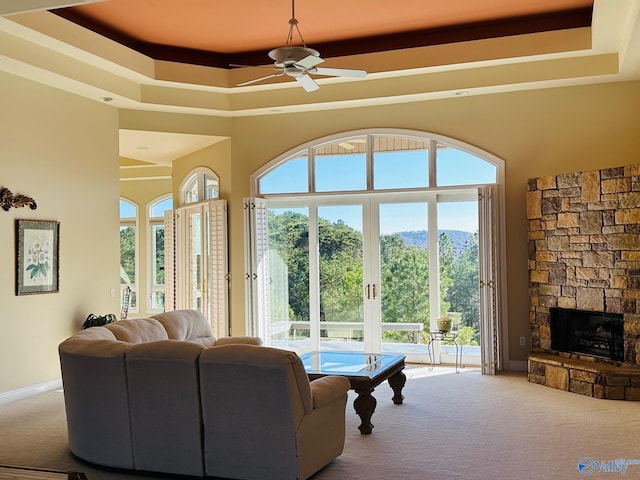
column 368, row 289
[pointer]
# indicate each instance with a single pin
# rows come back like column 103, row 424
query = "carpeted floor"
column 465, row 426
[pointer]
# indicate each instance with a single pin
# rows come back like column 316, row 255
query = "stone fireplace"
column 584, row 281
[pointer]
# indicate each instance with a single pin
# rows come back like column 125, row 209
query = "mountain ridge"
column 418, row 238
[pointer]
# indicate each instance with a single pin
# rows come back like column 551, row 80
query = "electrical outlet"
column 523, row 341
column 113, row 293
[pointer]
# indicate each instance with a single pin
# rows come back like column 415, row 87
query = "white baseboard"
column 30, row 391
column 519, row 365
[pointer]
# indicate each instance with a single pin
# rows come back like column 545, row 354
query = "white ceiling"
column 161, row 148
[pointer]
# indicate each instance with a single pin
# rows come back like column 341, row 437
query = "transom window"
column 201, row 185
column 375, row 162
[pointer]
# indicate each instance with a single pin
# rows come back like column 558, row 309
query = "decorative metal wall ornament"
column 8, row 200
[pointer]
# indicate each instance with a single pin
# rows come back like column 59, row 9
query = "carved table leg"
column 397, row 382
column 365, row 405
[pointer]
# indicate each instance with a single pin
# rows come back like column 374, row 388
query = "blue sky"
column 391, row 170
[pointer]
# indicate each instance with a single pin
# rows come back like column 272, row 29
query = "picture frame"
column 37, row 256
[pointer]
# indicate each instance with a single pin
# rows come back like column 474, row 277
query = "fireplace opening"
column 599, row 334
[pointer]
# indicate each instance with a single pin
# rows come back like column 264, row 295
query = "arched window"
column 202, row 184
column 156, row 249
column 375, row 163
column 129, row 251
column 370, row 237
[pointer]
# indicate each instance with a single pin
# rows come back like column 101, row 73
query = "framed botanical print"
column 37, row 255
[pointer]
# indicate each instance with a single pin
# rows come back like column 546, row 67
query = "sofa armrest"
column 326, row 390
column 238, row 340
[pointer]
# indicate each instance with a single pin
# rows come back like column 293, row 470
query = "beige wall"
column 62, row 150
column 536, row 133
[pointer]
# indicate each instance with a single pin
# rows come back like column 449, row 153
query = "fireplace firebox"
column 600, row 334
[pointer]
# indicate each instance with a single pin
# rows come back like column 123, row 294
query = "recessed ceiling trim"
column 9, row 7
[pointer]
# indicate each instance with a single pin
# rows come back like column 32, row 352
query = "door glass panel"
column 195, row 262
column 341, row 277
column 404, row 275
column 459, row 289
column 400, row 162
column 289, row 277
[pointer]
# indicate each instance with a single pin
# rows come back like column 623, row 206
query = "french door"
column 358, row 273
column 196, row 262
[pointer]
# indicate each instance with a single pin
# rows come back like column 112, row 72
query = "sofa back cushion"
column 137, row 330
column 96, row 397
column 186, row 325
column 164, row 401
column 252, row 405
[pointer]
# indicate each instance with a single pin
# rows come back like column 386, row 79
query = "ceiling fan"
column 299, row 61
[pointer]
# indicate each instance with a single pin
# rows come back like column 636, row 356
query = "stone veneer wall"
column 584, row 250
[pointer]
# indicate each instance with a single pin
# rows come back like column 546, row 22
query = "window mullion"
column 311, row 169
column 369, row 157
column 433, row 149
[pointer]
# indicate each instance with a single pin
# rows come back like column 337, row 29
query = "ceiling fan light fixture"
column 298, row 61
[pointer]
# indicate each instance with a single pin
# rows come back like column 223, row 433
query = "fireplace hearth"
column 600, row 334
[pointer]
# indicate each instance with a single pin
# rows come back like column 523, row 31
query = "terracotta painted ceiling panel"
column 218, row 33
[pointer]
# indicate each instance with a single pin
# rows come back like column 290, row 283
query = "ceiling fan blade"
column 256, row 80
column 309, row 62
column 307, row 82
column 340, row 72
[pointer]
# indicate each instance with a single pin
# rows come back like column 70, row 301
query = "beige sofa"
column 161, row 394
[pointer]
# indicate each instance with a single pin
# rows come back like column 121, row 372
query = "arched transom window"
column 374, row 162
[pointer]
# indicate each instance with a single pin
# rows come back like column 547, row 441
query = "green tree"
column 341, row 274
column 448, row 259
column 159, row 255
column 463, row 294
column 405, row 285
column 289, row 237
column 127, row 255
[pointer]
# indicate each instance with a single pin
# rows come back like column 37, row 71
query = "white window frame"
column 133, row 222
column 152, row 222
column 497, row 348
column 199, row 176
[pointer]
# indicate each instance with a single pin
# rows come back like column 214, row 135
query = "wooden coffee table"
column 365, row 372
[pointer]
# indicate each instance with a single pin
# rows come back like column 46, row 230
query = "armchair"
column 263, row 418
